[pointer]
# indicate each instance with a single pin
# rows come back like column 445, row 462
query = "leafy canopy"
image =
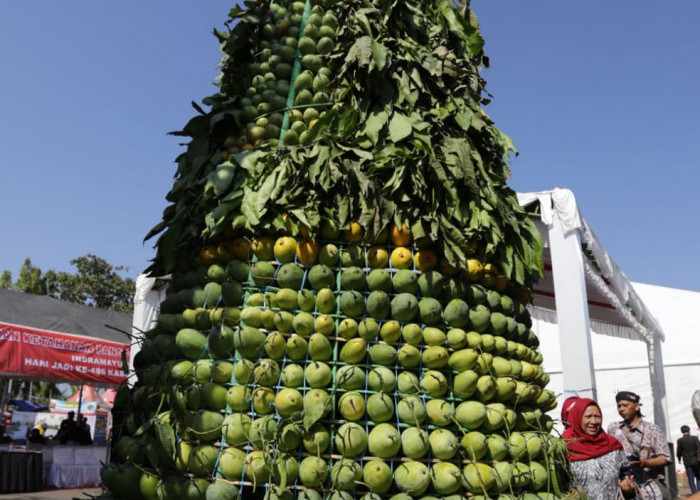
column 96, row 283
column 406, row 140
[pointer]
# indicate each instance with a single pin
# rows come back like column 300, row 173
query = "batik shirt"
column 599, row 476
column 632, row 439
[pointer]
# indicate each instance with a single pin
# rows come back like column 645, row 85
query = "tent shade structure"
column 49, row 339
column 584, row 290
column 24, row 405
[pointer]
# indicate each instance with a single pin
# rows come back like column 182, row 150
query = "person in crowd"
column 67, row 430
column 41, row 427
column 34, row 436
column 84, row 436
column 598, row 462
column 688, row 450
column 3, row 438
column 645, row 446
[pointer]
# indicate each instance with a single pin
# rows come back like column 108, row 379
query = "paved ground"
column 87, row 493
column 81, row 493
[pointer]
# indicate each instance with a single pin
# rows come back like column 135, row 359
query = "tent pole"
column 80, row 399
column 578, row 372
column 5, row 394
column 9, row 392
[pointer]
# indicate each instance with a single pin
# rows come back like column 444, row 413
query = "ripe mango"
column 288, row 401
column 470, row 414
column 353, row 351
column 435, row 357
column 378, row 305
column 313, row 472
column 439, row 412
column 320, row 348
column 379, row 280
column 384, row 441
column 383, row 354
column 478, row 477
column 352, row 303
column 430, row 310
column 350, row 377
column 317, row 439
column 413, row 477
column 236, row 427
column 380, row 407
column 445, row 478
column 474, row 445
column 377, row 475
column 351, row 439
column 351, row 406
column 443, row 444
column 345, row 473
column 231, row 463
column 353, row 278
column 411, row 410
column 405, row 281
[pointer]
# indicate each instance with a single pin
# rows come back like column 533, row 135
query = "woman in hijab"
column 597, row 461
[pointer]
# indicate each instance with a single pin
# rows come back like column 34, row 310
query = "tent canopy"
column 46, row 313
column 614, row 307
column 46, row 338
column 584, row 289
column 24, row 405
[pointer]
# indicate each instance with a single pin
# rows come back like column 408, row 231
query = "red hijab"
column 580, row 445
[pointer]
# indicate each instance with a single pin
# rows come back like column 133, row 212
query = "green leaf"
column 374, row 125
column 165, row 436
column 400, row 127
column 379, row 55
column 362, row 51
column 250, row 206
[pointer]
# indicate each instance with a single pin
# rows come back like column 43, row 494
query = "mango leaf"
column 374, row 124
column 379, row 54
column 362, row 51
column 165, row 437
column 250, row 206
column 463, row 117
column 400, row 127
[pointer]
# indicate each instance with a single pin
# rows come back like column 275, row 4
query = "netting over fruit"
column 346, row 315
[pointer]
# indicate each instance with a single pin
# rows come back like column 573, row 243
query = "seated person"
column 3, row 438
column 34, row 436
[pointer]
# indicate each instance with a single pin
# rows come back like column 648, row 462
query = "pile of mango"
column 346, row 276
column 317, row 366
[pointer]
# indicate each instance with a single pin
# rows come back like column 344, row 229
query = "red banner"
column 31, row 352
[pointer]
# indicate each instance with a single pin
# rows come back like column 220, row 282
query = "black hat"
column 627, row 396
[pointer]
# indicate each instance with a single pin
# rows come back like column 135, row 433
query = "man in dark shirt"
column 67, row 431
column 688, row 450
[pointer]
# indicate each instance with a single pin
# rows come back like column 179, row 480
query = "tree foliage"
column 96, row 283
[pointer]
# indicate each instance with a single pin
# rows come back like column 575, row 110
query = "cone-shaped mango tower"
column 349, row 271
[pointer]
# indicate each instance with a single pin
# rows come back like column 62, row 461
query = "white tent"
column 585, row 291
column 675, row 309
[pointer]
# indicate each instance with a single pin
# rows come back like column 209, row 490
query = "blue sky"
column 600, row 97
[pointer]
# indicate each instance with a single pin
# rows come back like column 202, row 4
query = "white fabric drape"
column 146, row 309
